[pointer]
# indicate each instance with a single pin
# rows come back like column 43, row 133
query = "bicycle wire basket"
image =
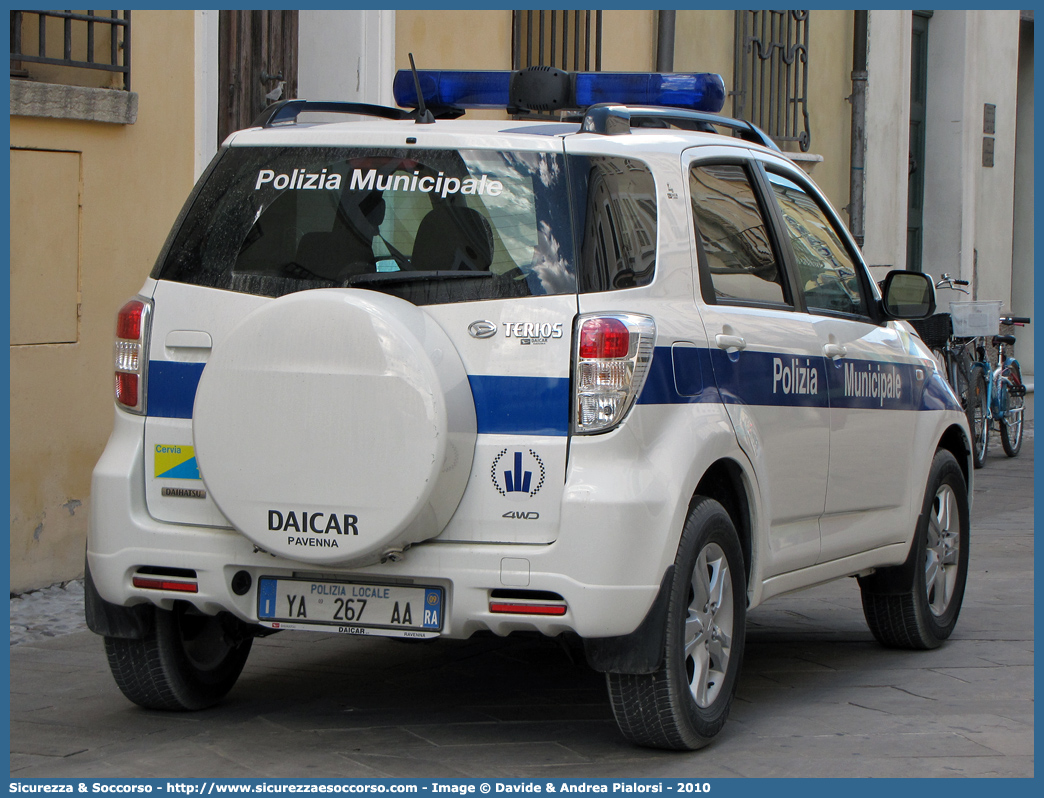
column 935, row 331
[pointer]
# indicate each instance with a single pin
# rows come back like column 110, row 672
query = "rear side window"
column 617, row 231
column 431, row 226
column 740, row 263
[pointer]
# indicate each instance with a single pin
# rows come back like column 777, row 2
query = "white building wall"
column 1022, row 246
column 887, row 140
column 972, row 60
column 206, row 23
column 346, row 55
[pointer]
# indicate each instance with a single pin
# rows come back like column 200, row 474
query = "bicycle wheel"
column 978, row 418
column 963, row 382
column 1011, row 398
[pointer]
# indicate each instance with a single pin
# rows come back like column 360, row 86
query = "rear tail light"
column 129, row 353
column 613, row 353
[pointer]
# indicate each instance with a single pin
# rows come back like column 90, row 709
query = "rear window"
column 431, row 226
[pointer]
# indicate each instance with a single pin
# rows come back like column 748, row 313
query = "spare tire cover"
column 335, row 426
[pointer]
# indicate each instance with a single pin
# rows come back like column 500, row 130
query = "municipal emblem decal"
column 519, row 475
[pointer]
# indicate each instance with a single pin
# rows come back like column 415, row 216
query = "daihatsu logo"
column 482, row 329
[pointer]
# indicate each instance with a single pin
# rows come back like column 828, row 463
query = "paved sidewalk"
column 817, row 696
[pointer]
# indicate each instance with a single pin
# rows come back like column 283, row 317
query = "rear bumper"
column 607, row 561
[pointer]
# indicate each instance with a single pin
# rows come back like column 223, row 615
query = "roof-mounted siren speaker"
column 541, row 88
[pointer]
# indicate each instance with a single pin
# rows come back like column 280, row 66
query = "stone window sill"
column 52, row 101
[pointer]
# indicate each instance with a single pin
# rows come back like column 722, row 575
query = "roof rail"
column 612, row 120
column 288, row 111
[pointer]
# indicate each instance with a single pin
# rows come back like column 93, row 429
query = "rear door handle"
column 730, row 341
column 834, row 351
column 188, row 339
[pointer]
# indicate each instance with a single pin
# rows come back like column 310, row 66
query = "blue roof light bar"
column 698, row 91
column 448, row 87
column 546, row 88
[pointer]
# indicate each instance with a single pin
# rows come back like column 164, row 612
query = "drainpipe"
column 858, row 100
column 665, row 41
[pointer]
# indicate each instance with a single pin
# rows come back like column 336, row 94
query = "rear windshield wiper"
column 410, row 277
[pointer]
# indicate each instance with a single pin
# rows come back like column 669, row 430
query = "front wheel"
column 1012, row 399
column 979, row 418
column 915, row 605
column 187, row 661
column 685, row 703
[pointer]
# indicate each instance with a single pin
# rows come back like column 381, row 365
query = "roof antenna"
column 424, row 116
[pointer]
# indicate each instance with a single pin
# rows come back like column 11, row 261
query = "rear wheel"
column 978, row 418
column 1012, row 398
column 915, row 605
column 686, row 701
column 187, row 661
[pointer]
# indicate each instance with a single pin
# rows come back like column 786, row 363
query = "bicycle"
column 954, row 356
column 1005, row 390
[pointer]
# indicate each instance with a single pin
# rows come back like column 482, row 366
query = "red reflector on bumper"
column 165, row 584
column 528, row 609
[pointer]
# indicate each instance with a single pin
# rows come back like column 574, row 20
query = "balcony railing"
column 90, row 40
column 771, row 73
column 569, row 40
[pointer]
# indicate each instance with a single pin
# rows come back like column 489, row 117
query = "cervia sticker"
column 175, row 462
column 519, row 475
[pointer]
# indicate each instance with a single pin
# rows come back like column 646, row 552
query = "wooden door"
column 257, row 65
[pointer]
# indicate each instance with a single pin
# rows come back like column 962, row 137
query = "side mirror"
column 908, row 295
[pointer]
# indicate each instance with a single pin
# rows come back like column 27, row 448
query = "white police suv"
column 622, row 375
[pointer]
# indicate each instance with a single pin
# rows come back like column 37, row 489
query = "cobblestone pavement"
column 51, row 612
column 817, row 696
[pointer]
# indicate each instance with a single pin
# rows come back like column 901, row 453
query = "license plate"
column 349, row 608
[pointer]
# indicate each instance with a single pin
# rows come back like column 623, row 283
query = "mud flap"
column 641, row 651
column 112, row 620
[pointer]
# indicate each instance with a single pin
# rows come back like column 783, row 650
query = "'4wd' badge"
column 518, row 475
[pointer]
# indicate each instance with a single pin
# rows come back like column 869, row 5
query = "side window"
column 741, row 265
column 827, row 275
column 618, row 243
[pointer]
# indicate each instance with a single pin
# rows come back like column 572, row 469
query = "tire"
column 978, row 418
column 187, row 661
column 915, row 605
column 685, row 703
column 1012, row 399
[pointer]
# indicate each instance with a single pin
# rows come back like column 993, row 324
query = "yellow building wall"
column 434, row 38
column 453, row 39
column 628, row 41
column 829, row 84
column 130, row 183
column 705, row 41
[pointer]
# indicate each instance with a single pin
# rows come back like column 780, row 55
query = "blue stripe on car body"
column 512, row 405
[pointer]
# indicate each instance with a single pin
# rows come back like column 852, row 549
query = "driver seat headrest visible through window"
column 453, row 238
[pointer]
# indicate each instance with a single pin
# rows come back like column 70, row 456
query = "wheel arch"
column 725, row 482
column 955, row 441
column 641, row 651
